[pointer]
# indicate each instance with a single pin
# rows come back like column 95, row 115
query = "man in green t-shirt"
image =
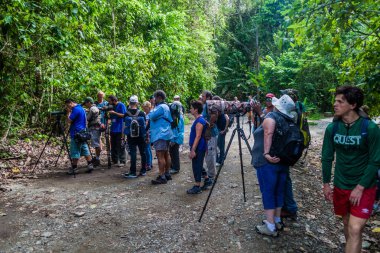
column 355, row 141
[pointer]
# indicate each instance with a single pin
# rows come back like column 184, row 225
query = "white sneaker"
column 217, row 164
column 264, row 230
column 120, row 164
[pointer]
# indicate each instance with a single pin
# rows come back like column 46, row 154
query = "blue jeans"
column 197, row 165
column 221, row 146
column 133, row 152
column 272, row 179
column 148, row 153
column 174, row 156
column 290, row 204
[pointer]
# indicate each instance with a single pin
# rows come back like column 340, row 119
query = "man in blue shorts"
column 76, row 116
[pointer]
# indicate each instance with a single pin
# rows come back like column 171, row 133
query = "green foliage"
column 55, row 49
column 348, row 32
column 315, row 116
column 313, row 46
column 186, row 119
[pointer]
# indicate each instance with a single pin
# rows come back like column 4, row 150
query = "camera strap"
column 223, row 105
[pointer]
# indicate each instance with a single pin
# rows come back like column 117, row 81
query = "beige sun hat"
column 284, row 105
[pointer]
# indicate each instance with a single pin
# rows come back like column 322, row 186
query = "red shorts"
column 342, row 204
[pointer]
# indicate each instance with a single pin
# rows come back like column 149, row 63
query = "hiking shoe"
column 159, row 180
column 287, row 214
column 279, row 225
column 90, row 168
column 142, row 174
column 208, row 182
column 194, row 190
column 148, row 168
column 95, row 162
column 72, row 171
column 130, row 175
column 168, row 177
column 264, row 230
column 173, row 171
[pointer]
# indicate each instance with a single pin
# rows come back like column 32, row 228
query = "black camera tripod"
column 59, row 129
column 107, row 136
column 241, row 135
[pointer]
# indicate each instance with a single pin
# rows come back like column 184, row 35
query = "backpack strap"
column 335, row 129
column 364, row 129
column 133, row 115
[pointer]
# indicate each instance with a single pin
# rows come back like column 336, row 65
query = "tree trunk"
column 257, row 50
column 114, row 26
column 5, row 136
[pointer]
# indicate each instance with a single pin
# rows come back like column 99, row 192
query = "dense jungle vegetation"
column 54, row 49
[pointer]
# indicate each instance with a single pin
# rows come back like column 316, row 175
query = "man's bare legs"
column 354, row 230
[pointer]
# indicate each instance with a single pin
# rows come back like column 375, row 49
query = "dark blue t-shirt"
column 202, row 144
column 117, row 122
column 78, row 118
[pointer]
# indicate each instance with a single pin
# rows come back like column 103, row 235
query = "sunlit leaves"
column 123, row 47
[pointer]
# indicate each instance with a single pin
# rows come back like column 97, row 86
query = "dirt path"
column 102, row 212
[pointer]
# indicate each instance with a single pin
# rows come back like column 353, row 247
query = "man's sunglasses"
column 268, row 99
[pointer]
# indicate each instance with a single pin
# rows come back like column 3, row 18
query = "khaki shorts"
column 95, row 138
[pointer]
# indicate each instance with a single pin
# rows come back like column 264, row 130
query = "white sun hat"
column 284, row 104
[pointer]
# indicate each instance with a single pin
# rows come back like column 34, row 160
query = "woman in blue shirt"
column 198, row 145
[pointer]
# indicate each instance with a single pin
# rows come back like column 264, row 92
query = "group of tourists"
column 352, row 138
column 129, row 129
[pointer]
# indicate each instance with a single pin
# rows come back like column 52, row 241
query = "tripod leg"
column 43, row 150
column 59, row 155
column 107, row 135
column 89, row 149
column 217, row 175
column 241, row 163
column 228, row 146
column 64, row 137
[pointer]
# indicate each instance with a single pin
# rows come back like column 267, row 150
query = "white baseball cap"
column 133, row 99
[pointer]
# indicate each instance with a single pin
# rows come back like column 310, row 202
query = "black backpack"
column 175, row 111
column 134, row 128
column 287, row 142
